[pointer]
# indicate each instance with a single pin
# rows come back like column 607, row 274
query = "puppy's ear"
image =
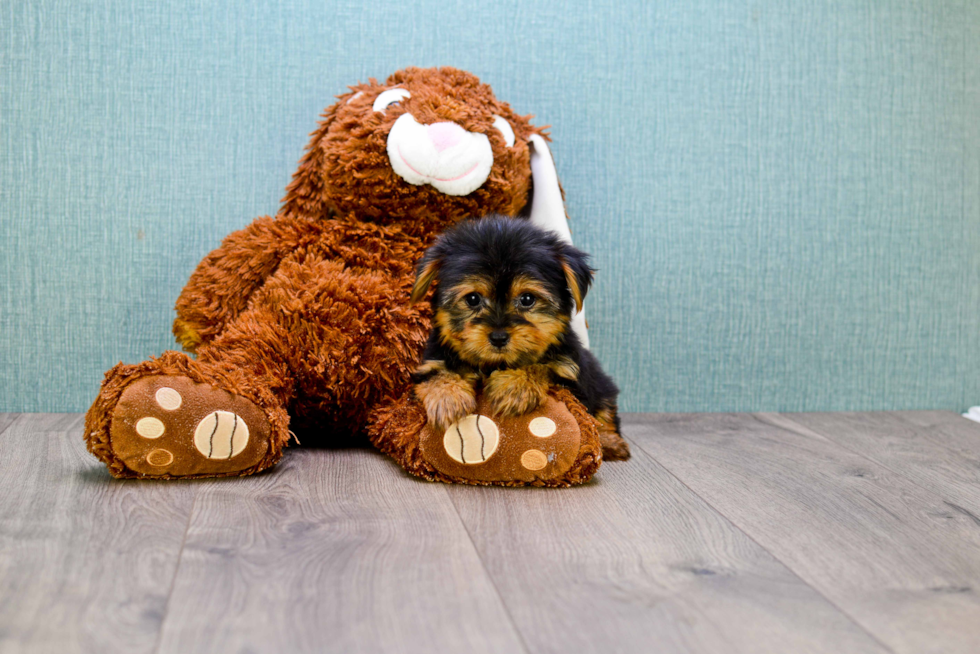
column 578, row 274
column 426, row 273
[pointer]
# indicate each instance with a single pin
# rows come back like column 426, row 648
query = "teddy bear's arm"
column 220, row 287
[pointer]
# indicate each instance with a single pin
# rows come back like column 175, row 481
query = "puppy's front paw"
column 446, row 398
column 515, row 392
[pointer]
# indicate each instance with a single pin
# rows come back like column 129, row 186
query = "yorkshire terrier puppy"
column 505, row 292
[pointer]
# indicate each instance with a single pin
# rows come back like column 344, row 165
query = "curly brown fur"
column 505, row 294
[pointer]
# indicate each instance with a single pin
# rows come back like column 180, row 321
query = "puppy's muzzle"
column 499, row 338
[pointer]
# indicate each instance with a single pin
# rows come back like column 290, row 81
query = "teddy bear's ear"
column 548, row 211
column 547, row 203
column 305, row 195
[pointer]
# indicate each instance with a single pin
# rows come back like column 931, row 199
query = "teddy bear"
column 300, row 325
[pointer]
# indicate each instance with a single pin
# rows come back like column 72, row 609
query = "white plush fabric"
column 973, row 413
column 504, row 128
column 389, row 97
column 421, row 154
column 548, row 209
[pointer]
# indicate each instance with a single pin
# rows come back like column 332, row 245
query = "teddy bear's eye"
column 504, row 128
column 473, row 300
column 390, row 97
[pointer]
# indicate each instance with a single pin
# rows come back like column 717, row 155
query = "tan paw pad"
column 168, row 398
column 159, row 458
column 150, row 428
column 472, row 440
column 534, row 460
column 542, row 427
column 221, row 435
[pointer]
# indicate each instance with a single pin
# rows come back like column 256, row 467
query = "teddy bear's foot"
column 542, row 444
column 557, row 444
column 172, row 426
column 174, row 417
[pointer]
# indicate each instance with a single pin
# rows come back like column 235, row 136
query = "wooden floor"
column 748, row 533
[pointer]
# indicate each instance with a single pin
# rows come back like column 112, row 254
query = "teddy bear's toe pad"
column 171, row 426
column 481, row 447
column 474, row 439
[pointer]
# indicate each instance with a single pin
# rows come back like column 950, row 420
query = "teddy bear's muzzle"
column 451, row 159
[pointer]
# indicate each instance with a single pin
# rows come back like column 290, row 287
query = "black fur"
column 499, row 249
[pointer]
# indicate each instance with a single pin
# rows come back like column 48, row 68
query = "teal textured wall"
column 783, row 197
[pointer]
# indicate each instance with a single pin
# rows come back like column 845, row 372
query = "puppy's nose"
column 499, row 338
column 445, row 135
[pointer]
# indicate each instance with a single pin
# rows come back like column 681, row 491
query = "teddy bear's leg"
column 341, row 338
column 176, row 417
column 220, row 288
column 334, row 338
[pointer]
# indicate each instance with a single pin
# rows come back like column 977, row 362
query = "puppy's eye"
column 388, row 98
column 473, row 300
column 504, row 128
column 526, row 300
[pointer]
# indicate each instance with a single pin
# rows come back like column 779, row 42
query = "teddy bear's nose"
column 445, row 135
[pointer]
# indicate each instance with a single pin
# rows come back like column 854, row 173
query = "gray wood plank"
column 952, row 426
column 333, row 551
column 635, row 562
column 952, row 430
column 86, row 562
column 6, row 419
column 891, row 554
column 941, row 454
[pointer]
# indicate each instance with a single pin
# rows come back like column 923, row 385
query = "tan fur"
column 524, row 284
column 529, row 342
column 607, row 417
column 614, row 448
column 186, row 335
column 468, row 285
column 430, row 366
column 423, row 281
column 573, row 286
column 565, row 368
column 513, row 392
column 447, row 397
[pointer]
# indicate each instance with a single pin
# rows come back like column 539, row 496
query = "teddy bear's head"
column 425, row 149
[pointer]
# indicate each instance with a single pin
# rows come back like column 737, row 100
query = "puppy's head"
column 505, row 290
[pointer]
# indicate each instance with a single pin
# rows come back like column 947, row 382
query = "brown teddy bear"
column 303, row 321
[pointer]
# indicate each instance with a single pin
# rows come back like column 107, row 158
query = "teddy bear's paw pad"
column 171, row 426
column 540, row 445
column 221, row 435
column 474, row 439
column 542, row 427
